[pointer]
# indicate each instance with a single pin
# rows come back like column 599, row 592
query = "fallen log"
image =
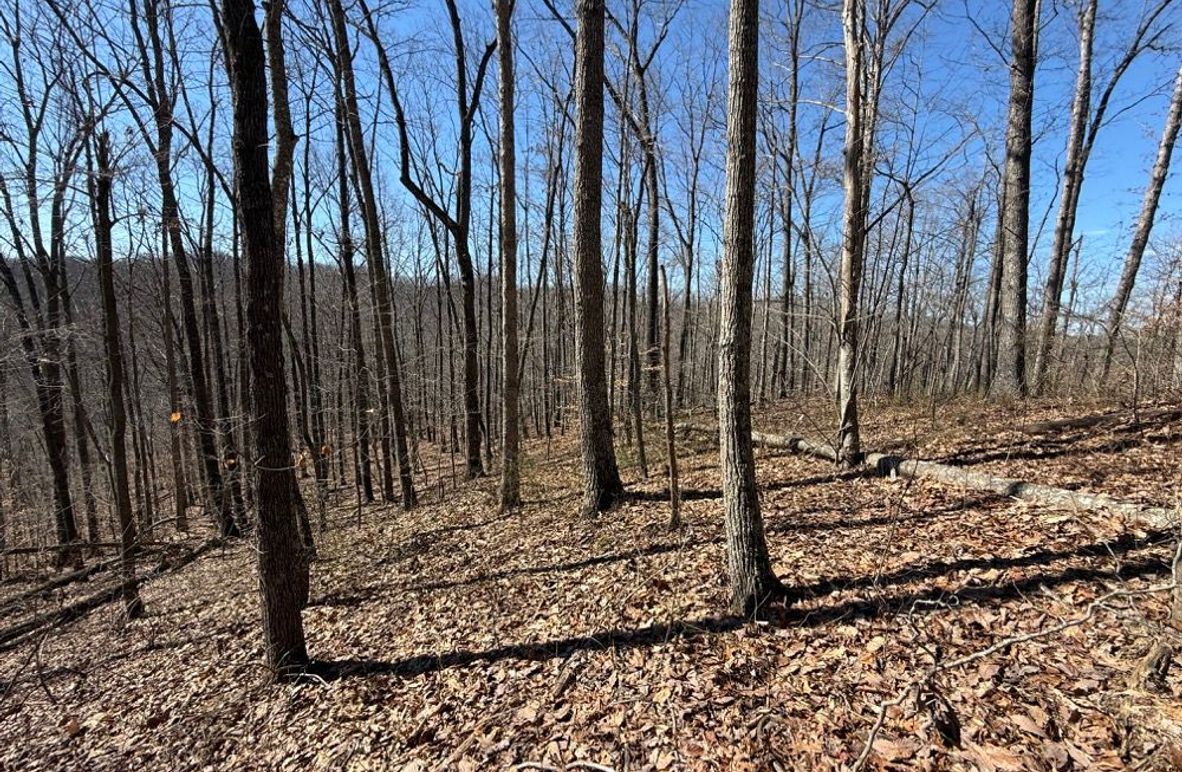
column 82, row 546
column 80, row 575
column 13, row 636
column 74, row 576
column 801, row 445
column 1046, row 495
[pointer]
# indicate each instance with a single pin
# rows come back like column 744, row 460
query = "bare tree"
column 41, row 321
column 753, row 584
column 1072, row 182
column 1081, row 138
column 283, row 567
column 601, row 477
column 100, row 188
column 510, row 463
column 391, row 384
column 853, row 241
column 357, row 367
column 1157, row 180
column 642, row 121
column 1010, row 379
column 869, row 53
column 458, row 225
column 670, row 441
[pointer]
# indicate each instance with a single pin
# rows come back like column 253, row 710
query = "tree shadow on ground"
column 710, row 494
column 1114, row 548
column 460, row 527
column 1125, row 436
column 1040, row 451
column 662, row 548
column 923, row 601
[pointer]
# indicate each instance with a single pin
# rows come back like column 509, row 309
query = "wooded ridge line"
column 1046, row 495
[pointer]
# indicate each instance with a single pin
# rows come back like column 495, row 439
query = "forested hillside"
column 571, row 384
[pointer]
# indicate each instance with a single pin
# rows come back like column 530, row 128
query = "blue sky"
column 949, row 62
column 1118, row 170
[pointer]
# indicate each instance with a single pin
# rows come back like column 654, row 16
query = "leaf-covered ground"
column 463, row 639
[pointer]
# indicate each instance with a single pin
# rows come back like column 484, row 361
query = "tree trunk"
column 79, row 414
column 179, row 484
column 101, row 193
column 381, row 357
column 670, row 441
column 375, row 257
column 853, row 236
column 1157, row 179
column 751, row 579
column 217, row 362
column 283, row 569
column 652, row 327
column 635, row 396
column 510, row 400
column 161, row 99
column 1010, row 378
column 360, row 373
column 6, row 460
column 601, row 477
column 285, row 136
column 459, row 225
column 1073, row 171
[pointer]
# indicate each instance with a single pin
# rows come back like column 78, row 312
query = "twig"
column 878, row 722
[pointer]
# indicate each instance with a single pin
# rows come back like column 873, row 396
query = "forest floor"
column 463, row 639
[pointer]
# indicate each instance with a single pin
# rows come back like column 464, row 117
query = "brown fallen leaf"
column 896, row 750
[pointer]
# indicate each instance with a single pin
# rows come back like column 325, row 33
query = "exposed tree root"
column 1149, row 727
column 1150, row 674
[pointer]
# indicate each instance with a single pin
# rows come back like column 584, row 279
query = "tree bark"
column 285, row 136
column 101, row 193
column 80, row 416
column 283, row 568
column 1010, row 378
column 6, row 460
column 179, row 484
column 752, row 582
column 360, row 373
column 1073, row 171
column 635, row 397
column 670, row 437
column 853, row 235
column 601, row 477
column 510, row 399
